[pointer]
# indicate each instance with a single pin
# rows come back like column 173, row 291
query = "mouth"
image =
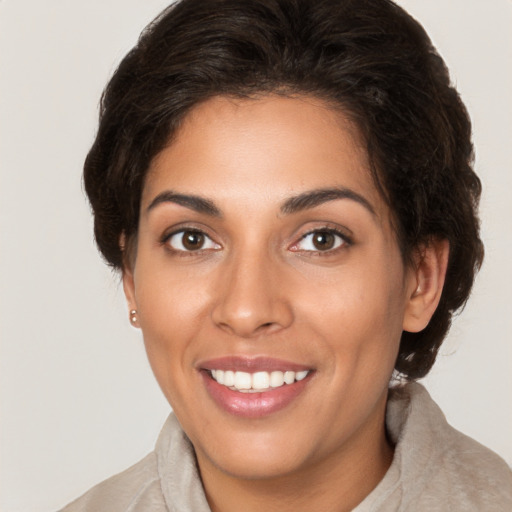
column 254, row 387
column 258, row 382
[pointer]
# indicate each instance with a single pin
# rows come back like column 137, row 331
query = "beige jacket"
column 435, row 468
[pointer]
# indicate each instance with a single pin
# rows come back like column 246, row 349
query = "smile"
column 257, row 382
column 254, row 387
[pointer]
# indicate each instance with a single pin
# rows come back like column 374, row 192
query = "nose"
column 251, row 298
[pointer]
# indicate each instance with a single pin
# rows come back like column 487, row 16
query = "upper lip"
column 251, row 364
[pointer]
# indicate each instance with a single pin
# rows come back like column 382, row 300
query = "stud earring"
column 133, row 316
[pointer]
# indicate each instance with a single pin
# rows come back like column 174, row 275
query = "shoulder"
column 473, row 474
column 443, row 469
column 166, row 478
column 137, row 488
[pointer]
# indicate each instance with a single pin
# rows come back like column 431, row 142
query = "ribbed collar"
column 418, row 428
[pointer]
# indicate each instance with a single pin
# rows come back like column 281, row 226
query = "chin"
column 257, row 466
column 256, row 455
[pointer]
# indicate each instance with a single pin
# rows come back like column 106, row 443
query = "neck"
column 338, row 483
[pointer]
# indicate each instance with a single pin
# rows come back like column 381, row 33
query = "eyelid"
column 166, row 238
column 345, row 240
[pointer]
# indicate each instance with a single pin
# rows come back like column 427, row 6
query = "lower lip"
column 253, row 405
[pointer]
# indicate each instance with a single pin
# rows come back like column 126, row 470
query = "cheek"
column 359, row 312
column 170, row 299
column 172, row 309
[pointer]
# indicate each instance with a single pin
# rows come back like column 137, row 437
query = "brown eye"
column 189, row 241
column 323, row 240
column 192, row 240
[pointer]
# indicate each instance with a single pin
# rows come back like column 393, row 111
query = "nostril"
column 267, row 327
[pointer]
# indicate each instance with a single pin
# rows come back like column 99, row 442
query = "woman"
column 287, row 189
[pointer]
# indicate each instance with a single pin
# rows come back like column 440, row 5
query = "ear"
column 426, row 284
column 129, row 286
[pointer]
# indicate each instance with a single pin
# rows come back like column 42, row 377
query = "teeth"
column 259, row 381
column 276, row 379
column 301, row 375
column 229, row 378
column 289, row 377
column 243, row 380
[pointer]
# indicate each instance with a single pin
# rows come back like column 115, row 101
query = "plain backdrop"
column 78, row 400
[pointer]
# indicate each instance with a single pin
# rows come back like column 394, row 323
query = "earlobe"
column 129, row 287
column 129, row 292
column 426, row 284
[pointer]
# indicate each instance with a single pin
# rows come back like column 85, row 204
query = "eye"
column 191, row 240
column 320, row 240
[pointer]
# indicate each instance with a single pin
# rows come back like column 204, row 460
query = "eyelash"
column 343, row 242
column 166, row 239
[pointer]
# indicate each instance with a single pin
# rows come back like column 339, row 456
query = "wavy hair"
column 366, row 57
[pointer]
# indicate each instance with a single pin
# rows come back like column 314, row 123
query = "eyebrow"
column 316, row 197
column 196, row 203
column 304, row 201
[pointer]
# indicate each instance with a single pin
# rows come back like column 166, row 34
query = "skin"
column 259, row 287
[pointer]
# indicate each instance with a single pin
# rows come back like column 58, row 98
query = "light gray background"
column 78, row 401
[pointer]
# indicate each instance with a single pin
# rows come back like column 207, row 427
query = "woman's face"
column 269, row 285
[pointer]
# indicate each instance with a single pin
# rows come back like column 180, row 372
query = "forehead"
column 268, row 147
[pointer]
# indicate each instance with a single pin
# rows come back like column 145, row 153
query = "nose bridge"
column 252, row 298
